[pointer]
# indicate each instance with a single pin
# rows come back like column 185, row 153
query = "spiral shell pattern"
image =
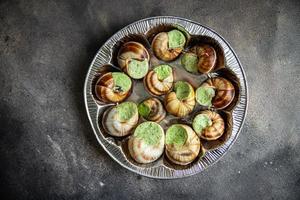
column 105, row 90
column 217, row 128
column 224, row 89
column 179, row 108
column 144, row 153
column 158, row 87
column 131, row 50
column 207, row 57
column 188, row 152
column 161, row 49
column 115, row 127
column 157, row 112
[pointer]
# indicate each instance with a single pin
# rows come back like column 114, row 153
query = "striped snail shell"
column 133, row 58
column 108, row 88
column 184, row 150
column 224, row 91
column 209, row 125
column 165, row 46
column 157, row 86
column 147, row 143
column 177, row 105
column 207, row 57
column 152, row 109
column 117, row 123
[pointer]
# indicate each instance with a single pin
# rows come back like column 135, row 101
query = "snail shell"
column 158, row 87
column 131, row 51
column 157, row 111
column 177, row 107
column 106, row 90
column 186, row 153
column 224, row 91
column 115, row 126
column 143, row 152
column 207, row 57
column 216, row 129
column 160, row 46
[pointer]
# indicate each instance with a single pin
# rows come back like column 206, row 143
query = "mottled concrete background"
column 48, row 150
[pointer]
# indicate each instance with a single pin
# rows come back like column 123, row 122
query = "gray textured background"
column 47, row 147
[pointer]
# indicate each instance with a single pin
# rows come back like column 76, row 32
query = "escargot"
column 133, row 58
column 121, row 119
column 217, row 92
column 182, row 144
column 159, row 81
column 201, row 58
column 147, row 143
column 168, row 45
column 209, row 125
column 113, row 87
column 152, row 109
column 181, row 100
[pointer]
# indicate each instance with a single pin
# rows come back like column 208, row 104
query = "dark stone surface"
column 48, row 150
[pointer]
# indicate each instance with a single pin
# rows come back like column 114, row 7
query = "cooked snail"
column 159, row 81
column 168, row 45
column 133, row 58
column 182, row 144
column 152, row 109
column 181, row 101
column 217, row 92
column 147, row 143
column 113, row 87
column 200, row 58
column 209, row 125
column 121, row 119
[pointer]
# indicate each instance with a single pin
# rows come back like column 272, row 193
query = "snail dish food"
column 208, row 125
column 147, row 142
column 133, row 58
column 164, row 99
column 121, row 119
column 113, row 87
column 199, row 58
column 159, row 81
column 168, row 45
column 152, row 110
column 181, row 101
column 217, row 92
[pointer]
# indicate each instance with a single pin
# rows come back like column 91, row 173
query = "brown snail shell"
column 131, row 50
column 114, row 126
column 224, row 91
column 217, row 127
column 158, row 87
column 106, row 91
column 161, row 48
column 144, row 153
column 207, row 57
column 180, row 108
column 186, row 153
column 157, row 111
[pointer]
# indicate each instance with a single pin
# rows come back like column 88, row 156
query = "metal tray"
column 115, row 147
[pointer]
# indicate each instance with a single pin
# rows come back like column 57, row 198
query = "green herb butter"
column 182, row 90
column 176, row 39
column 204, row 95
column 121, row 81
column 200, row 122
column 176, row 135
column 149, row 132
column 126, row 110
column 137, row 69
column 163, row 71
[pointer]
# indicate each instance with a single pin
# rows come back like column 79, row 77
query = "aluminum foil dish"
column 166, row 97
